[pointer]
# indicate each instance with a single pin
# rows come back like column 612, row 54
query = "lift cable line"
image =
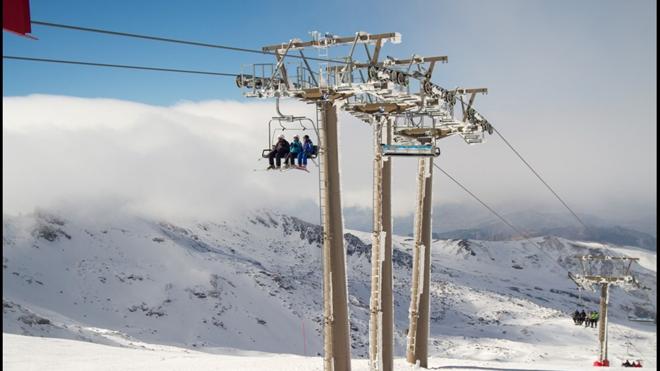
column 500, row 217
column 94, row 64
column 176, row 41
column 534, row 172
column 539, row 177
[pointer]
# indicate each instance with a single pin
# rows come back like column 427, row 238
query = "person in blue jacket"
column 294, row 149
column 307, row 150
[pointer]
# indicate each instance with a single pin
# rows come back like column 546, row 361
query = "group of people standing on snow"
column 290, row 152
column 627, row 363
column 589, row 320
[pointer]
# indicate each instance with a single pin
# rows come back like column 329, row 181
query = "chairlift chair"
column 287, row 123
column 411, row 139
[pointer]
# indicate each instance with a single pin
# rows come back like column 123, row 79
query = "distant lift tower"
column 408, row 114
column 611, row 273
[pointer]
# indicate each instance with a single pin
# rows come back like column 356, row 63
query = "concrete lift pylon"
column 387, row 305
column 377, row 254
column 337, row 354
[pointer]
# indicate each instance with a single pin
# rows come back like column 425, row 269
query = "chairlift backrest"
column 290, row 123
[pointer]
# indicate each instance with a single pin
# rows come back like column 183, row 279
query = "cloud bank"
column 191, row 160
column 202, row 160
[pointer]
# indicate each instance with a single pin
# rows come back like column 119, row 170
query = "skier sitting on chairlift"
column 307, row 150
column 280, row 149
column 295, row 149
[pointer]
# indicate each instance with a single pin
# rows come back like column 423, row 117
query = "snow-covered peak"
column 254, row 283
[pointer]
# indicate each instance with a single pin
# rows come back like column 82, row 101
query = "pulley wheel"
column 373, row 73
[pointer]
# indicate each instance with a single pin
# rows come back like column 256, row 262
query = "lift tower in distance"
column 609, row 275
column 408, row 114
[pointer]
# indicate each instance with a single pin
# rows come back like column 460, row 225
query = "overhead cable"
column 178, row 41
column 499, row 216
column 95, row 64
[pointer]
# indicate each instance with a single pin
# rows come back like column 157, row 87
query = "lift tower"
column 408, row 114
column 609, row 275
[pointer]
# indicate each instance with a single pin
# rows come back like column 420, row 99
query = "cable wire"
column 534, row 172
column 160, row 69
column 500, row 217
column 177, row 41
column 539, row 177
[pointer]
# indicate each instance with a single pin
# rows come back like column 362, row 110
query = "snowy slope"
column 34, row 353
column 254, row 284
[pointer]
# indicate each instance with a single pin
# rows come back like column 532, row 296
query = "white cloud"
column 188, row 160
column 197, row 160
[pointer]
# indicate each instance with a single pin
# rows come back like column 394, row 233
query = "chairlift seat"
column 313, row 155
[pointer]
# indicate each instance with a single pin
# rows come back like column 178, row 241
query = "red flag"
column 16, row 16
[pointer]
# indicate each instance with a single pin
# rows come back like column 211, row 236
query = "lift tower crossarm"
column 364, row 38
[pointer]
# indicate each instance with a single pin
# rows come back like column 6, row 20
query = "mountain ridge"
column 252, row 282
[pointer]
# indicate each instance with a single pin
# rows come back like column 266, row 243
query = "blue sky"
column 571, row 83
column 485, row 41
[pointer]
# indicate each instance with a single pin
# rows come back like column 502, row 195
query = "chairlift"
column 289, row 123
column 412, row 139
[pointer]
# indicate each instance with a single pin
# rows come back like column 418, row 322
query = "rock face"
column 253, row 283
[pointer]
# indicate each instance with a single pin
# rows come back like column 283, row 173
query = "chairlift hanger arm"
column 309, row 68
column 374, row 58
column 280, row 65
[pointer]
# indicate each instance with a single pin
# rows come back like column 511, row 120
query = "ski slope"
column 33, row 353
column 131, row 290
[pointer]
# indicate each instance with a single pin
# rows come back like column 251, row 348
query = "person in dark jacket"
column 307, row 150
column 587, row 319
column 280, row 149
column 295, row 148
column 576, row 317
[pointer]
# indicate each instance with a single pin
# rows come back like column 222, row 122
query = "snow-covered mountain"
column 449, row 221
column 608, row 235
column 254, row 283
